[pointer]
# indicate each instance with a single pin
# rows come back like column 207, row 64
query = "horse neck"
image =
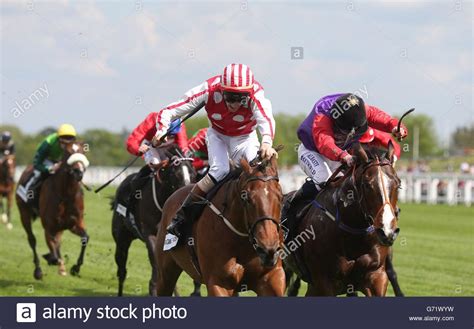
column 232, row 204
column 64, row 182
column 352, row 211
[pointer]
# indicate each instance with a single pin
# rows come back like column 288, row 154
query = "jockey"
column 334, row 123
column 7, row 146
column 48, row 154
column 236, row 106
column 198, row 150
column 139, row 143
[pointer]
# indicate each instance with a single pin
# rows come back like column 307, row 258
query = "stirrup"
column 173, row 227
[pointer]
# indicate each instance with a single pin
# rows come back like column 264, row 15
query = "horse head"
column 375, row 184
column 176, row 170
column 261, row 195
column 74, row 161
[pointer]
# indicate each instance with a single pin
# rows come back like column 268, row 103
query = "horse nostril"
column 395, row 233
column 78, row 174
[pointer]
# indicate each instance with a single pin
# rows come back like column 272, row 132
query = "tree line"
column 107, row 148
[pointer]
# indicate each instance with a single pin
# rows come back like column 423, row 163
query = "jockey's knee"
column 218, row 173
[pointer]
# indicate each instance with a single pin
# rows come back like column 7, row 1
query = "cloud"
column 59, row 34
column 165, row 48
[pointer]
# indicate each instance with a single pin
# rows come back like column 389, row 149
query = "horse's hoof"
column 4, row 218
column 9, row 226
column 75, row 270
column 195, row 294
column 38, row 274
column 51, row 260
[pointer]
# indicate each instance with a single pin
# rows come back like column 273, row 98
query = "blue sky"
column 108, row 63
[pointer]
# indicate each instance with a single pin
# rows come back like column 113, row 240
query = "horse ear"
column 360, row 153
column 245, row 165
column 390, row 152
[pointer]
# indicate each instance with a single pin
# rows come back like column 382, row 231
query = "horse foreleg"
column 377, row 285
column 321, row 287
column 272, row 283
column 217, row 290
column 52, row 257
column 9, row 209
column 81, row 232
column 2, row 211
column 197, row 289
column 26, row 221
column 62, row 266
column 392, row 276
column 123, row 239
column 150, row 246
column 168, row 273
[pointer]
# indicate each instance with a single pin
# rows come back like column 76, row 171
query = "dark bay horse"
column 235, row 240
column 354, row 220
column 61, row 207
column 7, row 184
column 173, row 173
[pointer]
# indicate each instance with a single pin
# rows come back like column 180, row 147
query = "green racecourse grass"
column 434, row 256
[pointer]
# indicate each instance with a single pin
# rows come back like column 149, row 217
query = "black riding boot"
column 136, row 184
column 192, row 205
column 306, row 192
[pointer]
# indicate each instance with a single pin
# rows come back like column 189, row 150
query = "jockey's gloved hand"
column 348, row 160
column 400, row 134
column 156, row 141
column 54, row 168
column 143, row 148
column 267, row 151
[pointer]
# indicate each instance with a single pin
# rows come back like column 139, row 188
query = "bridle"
column 260, row 219
column 174, row 160
column 369, row 219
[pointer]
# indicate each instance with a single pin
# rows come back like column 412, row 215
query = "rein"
column 370, row 228
column 250, row 229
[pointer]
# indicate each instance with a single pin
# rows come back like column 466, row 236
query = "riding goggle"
column 67, row 139
column 235, row 97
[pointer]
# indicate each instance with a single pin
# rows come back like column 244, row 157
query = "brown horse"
column 354, row 220
column 171, row 174
column 61, row 207
column 235, row 241
column 7, row 184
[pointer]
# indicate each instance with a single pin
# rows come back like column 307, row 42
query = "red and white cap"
column 237, row 78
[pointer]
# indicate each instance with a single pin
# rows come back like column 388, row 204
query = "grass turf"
column 433, row 256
